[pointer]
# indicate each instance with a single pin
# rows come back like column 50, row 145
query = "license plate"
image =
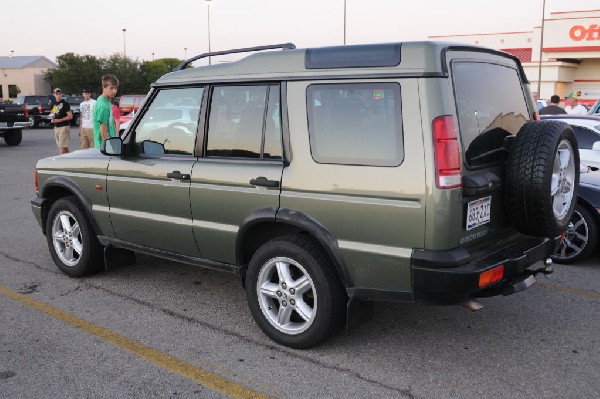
column 478, row 212
column 3, row 124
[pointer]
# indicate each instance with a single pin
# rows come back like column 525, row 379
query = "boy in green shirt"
column 104, row 123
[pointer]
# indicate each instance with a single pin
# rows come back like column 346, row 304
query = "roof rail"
column 283, row 46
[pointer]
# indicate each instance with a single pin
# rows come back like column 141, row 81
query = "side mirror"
column 112, row 146
column 596, row 146
column 153, row 148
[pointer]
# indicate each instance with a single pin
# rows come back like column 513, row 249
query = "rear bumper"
column 451, row 277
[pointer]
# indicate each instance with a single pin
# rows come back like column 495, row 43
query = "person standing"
column 60, row 118
column 117, row 116
column 553, row 108
column 574, row 108
column 104, row 121
column 86, row 120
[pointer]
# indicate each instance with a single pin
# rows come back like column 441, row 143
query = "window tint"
column 358, row 124
column 238, row 125
column 585, row 137
column 491, row 105
column 169, row 123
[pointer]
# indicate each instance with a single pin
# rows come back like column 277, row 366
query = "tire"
column 75, row 120
column 542, row 178
column 13, row 137
column 294, row 293
column 71, row 239
column 580, row 239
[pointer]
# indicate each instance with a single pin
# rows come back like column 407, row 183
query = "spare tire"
column 542, row 178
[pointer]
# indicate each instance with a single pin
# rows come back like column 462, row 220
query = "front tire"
column 580, row 239
column 13, row 137
column 71, row 239
column 294, row 293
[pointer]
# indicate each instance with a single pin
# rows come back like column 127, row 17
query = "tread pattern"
column 529, row 175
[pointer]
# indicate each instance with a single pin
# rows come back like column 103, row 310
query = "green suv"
column 326, row 178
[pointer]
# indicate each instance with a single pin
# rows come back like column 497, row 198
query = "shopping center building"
column 570, row 53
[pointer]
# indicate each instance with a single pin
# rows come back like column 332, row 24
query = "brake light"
column 446, row 153
column 26, row 112
column 35, row 181
column 40, row 109
column 491, row 276
column 536, row 116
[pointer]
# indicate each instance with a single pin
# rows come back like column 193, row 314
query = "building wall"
column 29, row 80
column 570, row 53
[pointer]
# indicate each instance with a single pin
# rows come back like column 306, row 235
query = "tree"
column 152, row 70
column 75, row 72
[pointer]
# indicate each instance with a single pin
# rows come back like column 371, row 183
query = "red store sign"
column 579, row 32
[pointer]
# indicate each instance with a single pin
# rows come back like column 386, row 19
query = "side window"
column 171, row 120
column 585, row 137
column 355, row 124
column 244, row 122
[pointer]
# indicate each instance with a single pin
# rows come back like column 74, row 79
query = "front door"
column 148, row 190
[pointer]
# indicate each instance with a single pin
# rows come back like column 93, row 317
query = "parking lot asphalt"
column 164, row 329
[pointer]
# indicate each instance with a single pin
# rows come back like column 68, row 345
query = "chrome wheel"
column 67, row 238
column 286, row 295
column 576, row 237
column 563, row 180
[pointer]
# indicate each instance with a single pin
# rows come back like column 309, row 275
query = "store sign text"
column 579, row 32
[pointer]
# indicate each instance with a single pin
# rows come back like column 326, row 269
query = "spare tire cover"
column 542, row 178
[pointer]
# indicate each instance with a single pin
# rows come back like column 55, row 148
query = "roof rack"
column 283, row 46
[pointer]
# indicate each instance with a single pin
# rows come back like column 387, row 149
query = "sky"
column 179, row 28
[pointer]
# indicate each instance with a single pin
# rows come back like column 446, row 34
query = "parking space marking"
column 569, row 290
column 204, row 377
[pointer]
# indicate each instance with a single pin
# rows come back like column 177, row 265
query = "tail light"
column 41, row 109
column 491, row 276
column 35, row 181
column 26, row 112
column 536, row 116
column 446, row 152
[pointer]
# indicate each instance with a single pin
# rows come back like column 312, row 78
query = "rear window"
column 491, row 106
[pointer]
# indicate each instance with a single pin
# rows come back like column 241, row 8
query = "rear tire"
column 542, row 178
column 71, row 239
column 294, row 293
column 13, row 137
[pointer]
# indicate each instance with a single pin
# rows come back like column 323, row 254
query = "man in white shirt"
column 86, row 123
column 574, row 108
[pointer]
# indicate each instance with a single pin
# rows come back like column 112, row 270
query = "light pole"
column 344, row 22
column 541, row 47
column 12, row 52
column 185, row 53
column 208, row 24
column 152, row 56
column 124, row 46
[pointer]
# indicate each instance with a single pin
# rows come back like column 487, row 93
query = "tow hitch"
column 547, row 269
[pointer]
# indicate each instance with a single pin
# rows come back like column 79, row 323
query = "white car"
column 587, row 130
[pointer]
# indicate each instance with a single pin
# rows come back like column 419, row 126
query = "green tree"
column 75, row 72
column 152, row 70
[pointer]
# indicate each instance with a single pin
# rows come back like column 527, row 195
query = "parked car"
column 587, row 131
column 130, row 102
column 13, row 118
column 581, row 236
column 326, row 177
column 38, row 108
column 74, row 103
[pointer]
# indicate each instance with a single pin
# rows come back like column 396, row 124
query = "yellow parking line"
column 574, row 291
column 204, row 377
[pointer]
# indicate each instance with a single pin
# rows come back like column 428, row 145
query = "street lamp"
column 185, row 53
column 152, row 56
column 344, row 22
column 541, row 47
column 12, row 52
column 208, row 24
column 124, row 47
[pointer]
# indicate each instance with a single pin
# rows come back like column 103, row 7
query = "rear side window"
column 491, row 106
column 355, row 124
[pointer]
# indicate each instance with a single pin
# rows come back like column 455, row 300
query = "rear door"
column 239, row 176
column 491, row 108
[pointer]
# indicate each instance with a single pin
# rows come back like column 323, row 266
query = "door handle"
column 178, row 175
column 264, row 182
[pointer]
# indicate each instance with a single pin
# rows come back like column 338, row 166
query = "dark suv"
column 326, row 178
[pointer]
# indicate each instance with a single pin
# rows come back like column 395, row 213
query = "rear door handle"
column 264, row 182
column 178, row 175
